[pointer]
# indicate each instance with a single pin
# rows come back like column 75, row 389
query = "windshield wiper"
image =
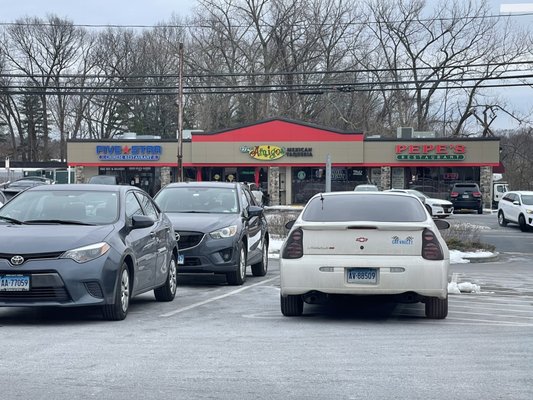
column 55, row 221
column 12, row 220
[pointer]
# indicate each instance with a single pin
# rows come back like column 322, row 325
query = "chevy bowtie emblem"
column 361, row 239
column 17, row 260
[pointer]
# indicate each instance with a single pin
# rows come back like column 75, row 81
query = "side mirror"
column 289, row 224
column 141, row 221
column 254, row 211
column 441, row 224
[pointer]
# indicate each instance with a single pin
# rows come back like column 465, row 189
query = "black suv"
column 467, row 196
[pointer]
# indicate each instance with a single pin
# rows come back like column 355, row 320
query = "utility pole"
column 180, row 114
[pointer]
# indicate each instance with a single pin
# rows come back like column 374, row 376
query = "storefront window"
column 306, row 182
column 437, row 182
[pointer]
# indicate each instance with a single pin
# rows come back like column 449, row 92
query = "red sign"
column 430, row 149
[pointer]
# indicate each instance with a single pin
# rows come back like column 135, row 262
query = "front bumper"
column 63, row 282
column 396, row 275
column 210, row 256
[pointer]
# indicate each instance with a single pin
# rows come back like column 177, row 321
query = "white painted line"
column 201, row 303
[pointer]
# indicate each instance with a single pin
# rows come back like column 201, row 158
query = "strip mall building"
column 287, row 159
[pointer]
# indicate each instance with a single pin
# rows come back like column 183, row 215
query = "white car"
column 516, row 207
column 366, row 188
column 436, row 207
column 357, row 243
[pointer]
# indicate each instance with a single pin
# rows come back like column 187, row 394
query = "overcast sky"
column 151, row 12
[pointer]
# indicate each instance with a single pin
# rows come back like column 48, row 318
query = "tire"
column 480, row 210
column 118, row 310
column 167, row 292
column 238, row 277
column 501, row 219
column 291, row 306
column 522, row 223
column 261, row 268
column 436, row 308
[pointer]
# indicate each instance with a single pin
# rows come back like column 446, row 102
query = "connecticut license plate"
column 14, row 283
column 363, row 275
column 181, row 259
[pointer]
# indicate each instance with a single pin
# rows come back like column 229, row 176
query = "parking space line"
column 201, row 303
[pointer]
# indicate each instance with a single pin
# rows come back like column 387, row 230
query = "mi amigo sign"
column 264, row 152
column 430, row 152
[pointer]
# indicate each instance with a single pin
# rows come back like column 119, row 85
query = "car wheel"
column 480, row 210
column 436, row 308
column 118, row 310
column 261, row 268
column 522, row 223
column 291, row 306
column 167, row 292
column 239, row 276
column 501, row 219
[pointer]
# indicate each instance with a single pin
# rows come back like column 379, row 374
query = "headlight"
column 87, row 253
column 226, row 232
column 529, row 211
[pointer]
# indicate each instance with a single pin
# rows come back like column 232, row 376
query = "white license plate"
column 363, row 275
column 181, row 259
column 465, row 196
column 14, row 283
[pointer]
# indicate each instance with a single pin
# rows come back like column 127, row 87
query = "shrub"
column 465, row 237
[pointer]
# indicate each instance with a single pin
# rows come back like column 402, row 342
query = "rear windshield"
column 379, row 208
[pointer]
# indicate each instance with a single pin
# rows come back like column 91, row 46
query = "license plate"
column 181, row 259
column 14, row 283
column 465, row 196
column 363, row 275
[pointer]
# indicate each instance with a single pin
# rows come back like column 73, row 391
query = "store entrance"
column 146, row 178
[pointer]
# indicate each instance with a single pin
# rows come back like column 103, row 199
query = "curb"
column 474, row 260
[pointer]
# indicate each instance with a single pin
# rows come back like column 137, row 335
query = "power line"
column 207, row 26
column 256, row 74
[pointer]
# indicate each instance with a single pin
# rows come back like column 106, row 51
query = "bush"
column 465, row 237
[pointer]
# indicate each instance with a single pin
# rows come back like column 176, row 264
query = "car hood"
column 202, row 222
column 25, row 239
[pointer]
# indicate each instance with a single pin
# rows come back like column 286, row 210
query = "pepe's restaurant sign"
column 127, row 153
column 430, row 152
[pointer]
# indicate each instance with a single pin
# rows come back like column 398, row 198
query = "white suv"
column 516, row 207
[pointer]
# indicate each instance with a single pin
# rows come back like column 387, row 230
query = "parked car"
column 371, row 243
column 436, row 207
column 221, row 228
column 366, row 188
column 85, row 245
column 466, row 196
column 104, row 180
column 11, row 189
column 42, row 179
column 516, row 207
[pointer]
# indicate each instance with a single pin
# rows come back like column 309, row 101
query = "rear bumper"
column 396, row 275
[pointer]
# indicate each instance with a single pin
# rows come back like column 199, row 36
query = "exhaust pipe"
column 315, row 297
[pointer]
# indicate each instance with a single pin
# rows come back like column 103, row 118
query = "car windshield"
column 366, row 188
column 352, row 207
column 84, row 207
column 198, row 199
column 28, row 183
column 527, row 199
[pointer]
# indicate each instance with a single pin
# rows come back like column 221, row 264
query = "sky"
column 151, row 12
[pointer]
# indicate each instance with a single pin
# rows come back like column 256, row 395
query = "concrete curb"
column 474, row 260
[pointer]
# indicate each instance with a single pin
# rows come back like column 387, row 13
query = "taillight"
column 476, row 194
column 454, row 194
column 431, row 249
column 295, row 246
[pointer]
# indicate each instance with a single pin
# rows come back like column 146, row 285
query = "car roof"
column 83, row 187
column 521, row 192
column 203, row 184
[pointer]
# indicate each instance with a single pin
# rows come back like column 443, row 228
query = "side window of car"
column 132, row 206
column 244, row 201
column 148, row 206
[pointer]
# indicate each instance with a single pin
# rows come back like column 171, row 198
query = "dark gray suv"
column 467, row 196
column 220, row 228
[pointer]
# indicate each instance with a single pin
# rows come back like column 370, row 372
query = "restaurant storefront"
column 287, row 160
